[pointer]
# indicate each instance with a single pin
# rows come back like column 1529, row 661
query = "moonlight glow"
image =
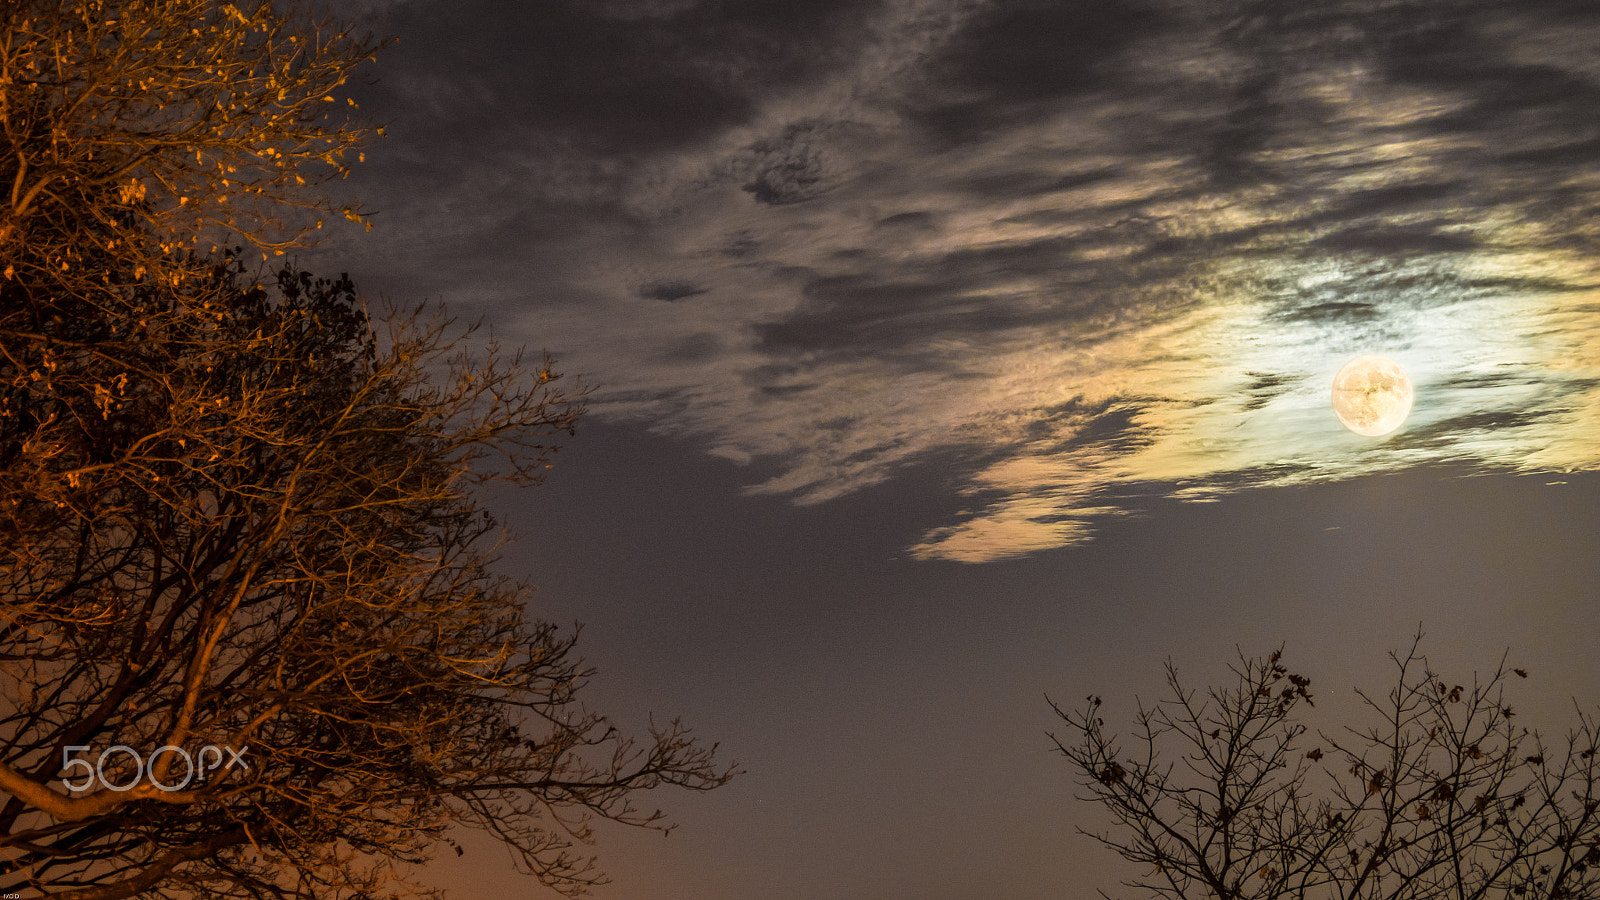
column 1372, row 395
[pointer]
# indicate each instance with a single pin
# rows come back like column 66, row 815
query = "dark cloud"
column 1131, row 212
column 1397, row 240
column 608, row 85
column 1391, row 200
column 1024, row 183
column 1465, row 52
column 741, row 245
column 692, row 350
column 1536, row 109
column 911, row 221
column 1490, row 381
column 1265, row 46
column 1518, row 112
column 1335, row 311
column 1264, row 387
column 1560, row 154
column 1109, row 425
column 1044, row 49
column 1228, row 148
column 551, row 70
column 860, row 315
column 1522, row 112
column 1528, row 284
column 774, row 391
column 790, row 167
column 1017, row 55
column 913, row 319
column 1443, row 433
column 670, row 291
column 906, row 308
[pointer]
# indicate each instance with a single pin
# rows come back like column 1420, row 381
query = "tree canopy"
column 251, row 639
column 130, row 128
column 253, row 527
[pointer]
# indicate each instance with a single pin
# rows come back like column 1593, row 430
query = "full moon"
column 1371, row 395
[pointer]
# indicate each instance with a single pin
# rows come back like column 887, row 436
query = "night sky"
column 947, row 354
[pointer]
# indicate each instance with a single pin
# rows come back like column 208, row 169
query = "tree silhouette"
column 1228, row 796
column 238, row 517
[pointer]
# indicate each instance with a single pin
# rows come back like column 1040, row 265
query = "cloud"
column 790, row 167
column 915, row 221
column 1098, row 252
column 670, row 291
column 1014, row 56
column 609, row 78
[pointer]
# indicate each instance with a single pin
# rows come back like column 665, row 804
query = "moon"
column 1372, row 395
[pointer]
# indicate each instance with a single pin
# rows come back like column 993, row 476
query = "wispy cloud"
column 1097, row 250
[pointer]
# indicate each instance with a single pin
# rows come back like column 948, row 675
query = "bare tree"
column 238, row 541
column 1227, row 795
column 250, row 640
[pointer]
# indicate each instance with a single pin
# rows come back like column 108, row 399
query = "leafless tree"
column 237, row 519
column 1227, row 795
column 241, row 517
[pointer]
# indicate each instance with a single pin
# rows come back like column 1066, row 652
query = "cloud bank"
column 1095, row 251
